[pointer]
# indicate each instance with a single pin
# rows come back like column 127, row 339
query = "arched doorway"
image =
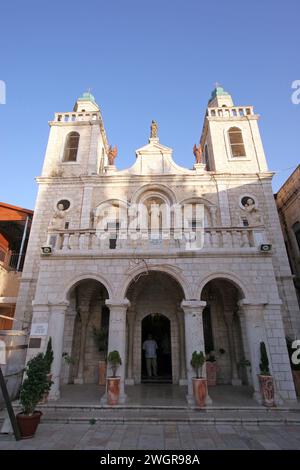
column 155, row 306
column 224, row 332
column 86, row 316
column 159, row 327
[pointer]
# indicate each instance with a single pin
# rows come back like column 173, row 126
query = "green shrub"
column 35, row 385
column 264, row 361
column 115, row 361
column 197, row 361
column 49, row 355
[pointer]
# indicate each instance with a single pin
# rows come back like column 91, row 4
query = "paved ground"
column 157, row 394
column 158, row 436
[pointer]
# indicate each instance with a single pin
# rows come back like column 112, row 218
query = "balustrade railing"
column 67, row 241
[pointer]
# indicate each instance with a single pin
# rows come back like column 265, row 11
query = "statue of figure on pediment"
column 153, row 130
column 112, row 153
column 197, row 151
column 58, row 218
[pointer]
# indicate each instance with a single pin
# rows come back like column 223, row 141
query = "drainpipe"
column 22, row 243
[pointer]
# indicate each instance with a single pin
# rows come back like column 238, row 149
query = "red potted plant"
column 265, row 378
column 199, row 382
column 113, row 383
column 34, row 387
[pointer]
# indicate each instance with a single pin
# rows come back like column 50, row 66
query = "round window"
column 65, row 203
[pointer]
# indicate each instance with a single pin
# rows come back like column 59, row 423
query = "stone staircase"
column 124, row 414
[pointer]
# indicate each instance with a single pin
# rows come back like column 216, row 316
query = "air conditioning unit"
column 46, row 250
column 265, row 247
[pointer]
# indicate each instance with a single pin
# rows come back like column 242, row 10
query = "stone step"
column 103, row 414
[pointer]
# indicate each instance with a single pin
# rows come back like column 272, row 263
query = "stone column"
column 278, row 354
column 232, row 350
column 131, row 317
column 83, row 312
column 56, row 331
column 117, row 337
column 194, row 339
column 182, row 373
column 253, row 316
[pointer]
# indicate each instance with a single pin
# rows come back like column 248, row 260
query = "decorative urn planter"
column 200, row 391
column 211, row 373
column 267, row 389
column 28, row 424
column 102, row 367
column 113, row 390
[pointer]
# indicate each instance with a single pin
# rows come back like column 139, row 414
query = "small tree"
column 197, row 361
column 49, row 355
column 101, row 339
column 115, row 361
column 35, row 385
column 264, row 361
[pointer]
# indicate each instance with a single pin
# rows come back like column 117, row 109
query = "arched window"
column 296, row 230
column 71, row 147
column 236, row 142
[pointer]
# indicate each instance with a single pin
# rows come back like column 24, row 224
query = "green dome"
column 87, row 96
column 218, row 91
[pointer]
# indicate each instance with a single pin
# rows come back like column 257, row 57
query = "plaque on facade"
column 39, row 329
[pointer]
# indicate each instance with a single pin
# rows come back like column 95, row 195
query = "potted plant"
column 211, row 369
column 113, row 383
column 265, row 378
column 34, row 387
column 101, row 341
column 199, row 382
column 295, row 367
column 48, row 357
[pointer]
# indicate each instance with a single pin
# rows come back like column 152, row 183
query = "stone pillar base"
column 191, row 400
column 183, row 382
column 78, row 381
column 54, row 396
column 122, row 400
column 129, row 381
column 236, row 382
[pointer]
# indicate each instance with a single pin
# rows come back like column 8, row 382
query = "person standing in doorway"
column 150, row 348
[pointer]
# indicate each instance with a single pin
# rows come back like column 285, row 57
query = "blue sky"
column 143, row 61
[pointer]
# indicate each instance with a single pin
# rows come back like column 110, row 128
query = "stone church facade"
column 91, row 263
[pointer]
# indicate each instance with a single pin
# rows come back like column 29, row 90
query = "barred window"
column 71, row 147
column 236, row 142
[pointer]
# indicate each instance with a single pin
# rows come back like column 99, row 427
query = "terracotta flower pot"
column 296, row 377
column 102, row 372
column 28, row 424
column 211, row 373
column 267, row 389
column 200, row 391
column 113, row 390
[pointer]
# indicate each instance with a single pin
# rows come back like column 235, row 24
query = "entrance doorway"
column 159, row 327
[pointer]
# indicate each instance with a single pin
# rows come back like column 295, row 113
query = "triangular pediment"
column 155, row 158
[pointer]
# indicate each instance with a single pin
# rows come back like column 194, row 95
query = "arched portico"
column 86, row 315
column 155, row 293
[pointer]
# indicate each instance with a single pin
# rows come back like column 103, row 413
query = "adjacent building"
column 288, row 204
column 15, row 223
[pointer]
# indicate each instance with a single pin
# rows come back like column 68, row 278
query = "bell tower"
column 230, row 137
column 77, row 144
